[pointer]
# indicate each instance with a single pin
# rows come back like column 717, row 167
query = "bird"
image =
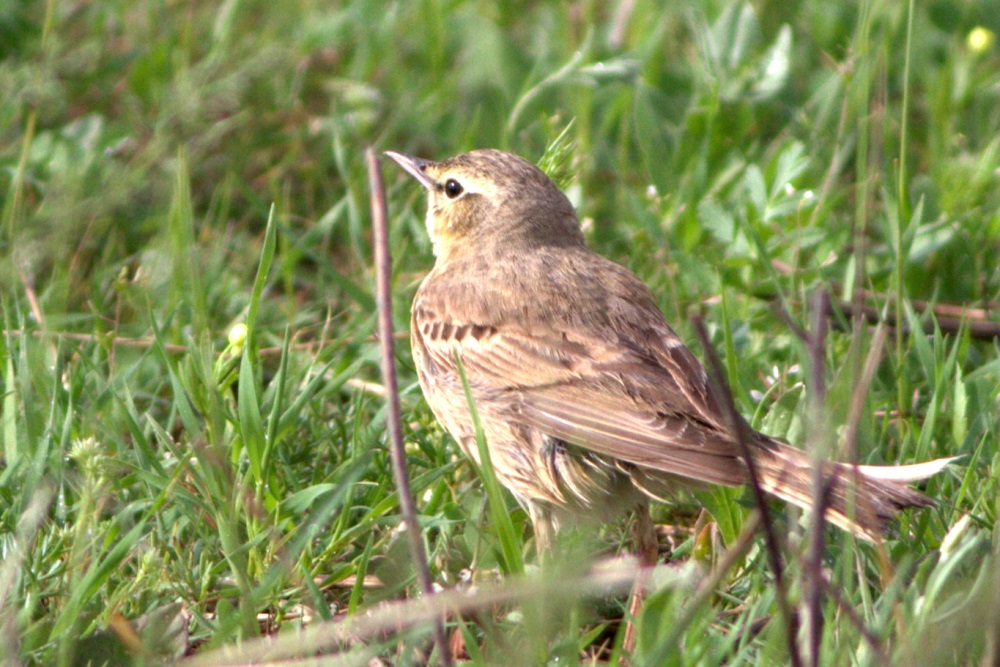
column 590, row 403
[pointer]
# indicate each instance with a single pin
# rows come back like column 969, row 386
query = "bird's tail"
column 859, row 498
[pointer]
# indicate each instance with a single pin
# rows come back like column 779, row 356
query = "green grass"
column 163, row 495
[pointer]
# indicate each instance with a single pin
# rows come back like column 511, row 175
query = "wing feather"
column 648, row 409
column 668, row 443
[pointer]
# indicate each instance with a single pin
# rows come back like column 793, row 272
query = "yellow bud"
column 237, row 337
column 980, row 39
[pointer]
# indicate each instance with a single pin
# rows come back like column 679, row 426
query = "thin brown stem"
column 977, row 328
column 742, row 433
column 608, row 578
column 980, row 322
column 397, row 452
column 959, row 311
column 852, row 615
column 822, row 484
column 647, row 549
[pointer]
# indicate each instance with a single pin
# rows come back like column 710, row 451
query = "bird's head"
column 491, row 200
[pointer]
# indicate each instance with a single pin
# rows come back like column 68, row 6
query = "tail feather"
column 861, row 498
column 908, row 473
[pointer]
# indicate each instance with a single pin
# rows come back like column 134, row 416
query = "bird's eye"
column 452, row 188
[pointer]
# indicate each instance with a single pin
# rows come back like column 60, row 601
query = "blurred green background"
column 738, row 156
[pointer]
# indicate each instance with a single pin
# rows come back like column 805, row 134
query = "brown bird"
column 589, row 401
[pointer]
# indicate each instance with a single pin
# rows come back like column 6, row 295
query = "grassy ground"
column 162, row 496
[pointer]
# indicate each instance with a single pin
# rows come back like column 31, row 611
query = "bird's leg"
column 545, row 529
column 646, row 546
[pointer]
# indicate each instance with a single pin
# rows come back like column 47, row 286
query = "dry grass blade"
column 610, row 578
column 860, row 392
column 397, row 452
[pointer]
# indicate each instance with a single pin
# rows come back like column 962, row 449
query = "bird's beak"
column 414, row 166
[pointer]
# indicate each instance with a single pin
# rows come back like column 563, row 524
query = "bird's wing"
column 643, row 400
column 672, row 443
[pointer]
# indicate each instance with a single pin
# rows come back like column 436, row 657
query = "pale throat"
column 433, row 233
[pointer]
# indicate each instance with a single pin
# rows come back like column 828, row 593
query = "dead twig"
column 608, row 578
column 981, row 329
column 982, row 323
column 397, row 452
column 740, row 431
